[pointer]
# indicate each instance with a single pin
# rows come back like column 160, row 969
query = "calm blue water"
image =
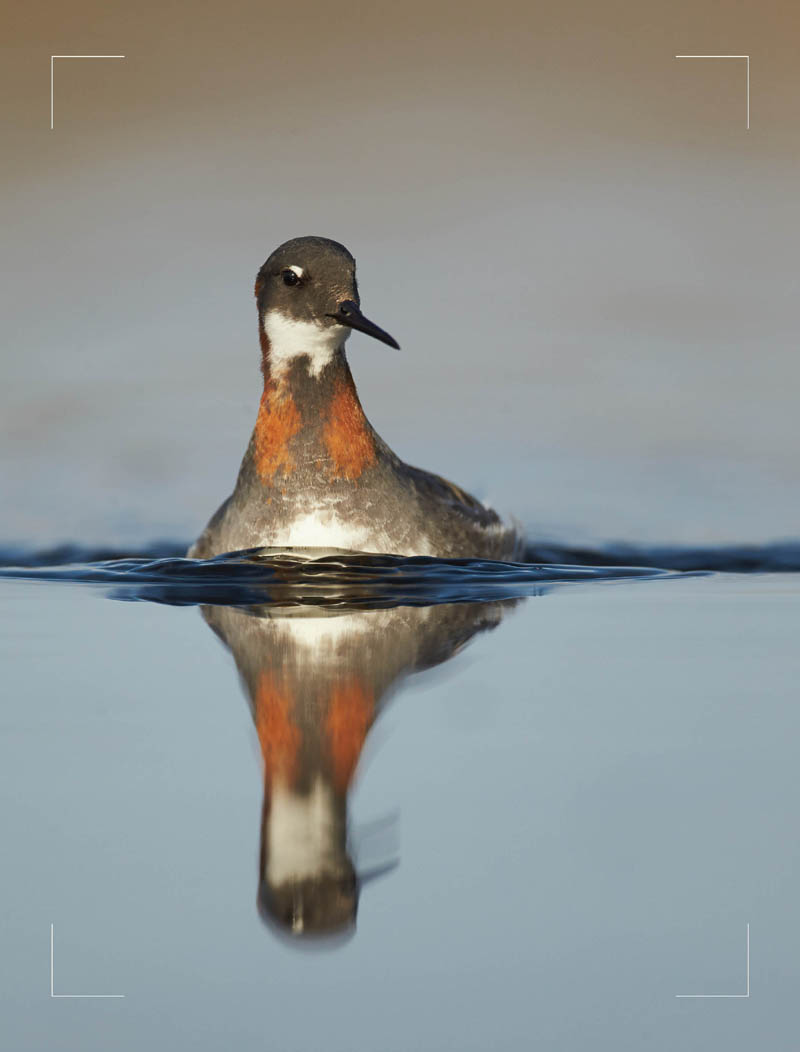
column 532, row 804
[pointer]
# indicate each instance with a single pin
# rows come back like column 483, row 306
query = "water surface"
column 546, row 799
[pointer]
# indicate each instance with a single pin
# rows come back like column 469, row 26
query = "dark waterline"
column 776, row 557
column 161, row 573
column 264, row 578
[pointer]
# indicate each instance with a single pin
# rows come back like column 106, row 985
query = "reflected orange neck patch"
column 350, row 716
column 278, row 735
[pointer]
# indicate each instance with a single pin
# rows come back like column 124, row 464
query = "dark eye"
column 289, row 277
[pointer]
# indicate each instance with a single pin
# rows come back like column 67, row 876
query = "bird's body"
column 315, row 473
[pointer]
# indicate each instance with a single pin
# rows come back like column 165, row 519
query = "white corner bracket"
column 52, row 62
column 747, row 59
column 746, row 994
column 52, row 991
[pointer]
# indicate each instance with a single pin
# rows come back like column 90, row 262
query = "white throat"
column 304, row 834
column 290, row 339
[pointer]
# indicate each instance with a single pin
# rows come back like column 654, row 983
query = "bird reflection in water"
column 317, row 679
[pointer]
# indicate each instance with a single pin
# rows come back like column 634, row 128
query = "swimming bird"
column 316, row 474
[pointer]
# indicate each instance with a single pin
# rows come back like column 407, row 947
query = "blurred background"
column 590, row 263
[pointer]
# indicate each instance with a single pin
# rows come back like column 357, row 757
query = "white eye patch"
column 297, row 270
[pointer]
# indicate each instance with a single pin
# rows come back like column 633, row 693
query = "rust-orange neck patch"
column 346, row 434
column 277, row 424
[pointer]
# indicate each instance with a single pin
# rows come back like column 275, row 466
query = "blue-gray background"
column 590, row 264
